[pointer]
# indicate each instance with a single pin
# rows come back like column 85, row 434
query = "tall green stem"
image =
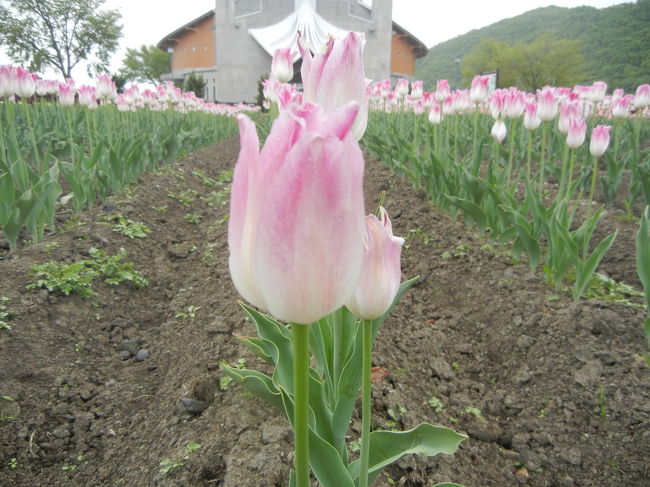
column 570, row 174
column 300, row 339
column 366, row 399
column 70, row 137
column 511, row 154
column 542, row 158
column 529, row 155
column 28, row 118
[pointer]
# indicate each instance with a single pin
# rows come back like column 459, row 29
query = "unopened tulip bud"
column 499, row 130
column 417, row 90
column 576, row 133
column 25, row 85
column 282, row 65
column 336, row 77
column 599, row 140
column 642, row 97
column 480, row 89
column 531, row 120
column 546, row 104
column 66, row 96
column 435, row 114
column 380, row 272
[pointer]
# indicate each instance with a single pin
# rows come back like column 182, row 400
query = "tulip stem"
column 366, row 398
column 300, row 341
column 542, row 159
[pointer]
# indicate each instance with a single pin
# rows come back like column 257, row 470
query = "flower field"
column 124, row 346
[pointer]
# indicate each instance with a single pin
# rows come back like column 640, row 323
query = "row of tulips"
column 493, row 155
column 288, row 200
column 81, row 145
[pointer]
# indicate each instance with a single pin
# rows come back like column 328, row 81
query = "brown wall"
column 195, row 47
column 402, row 57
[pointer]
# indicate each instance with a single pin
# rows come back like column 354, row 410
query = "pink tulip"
column 282, row 65
column 621, row 108
column 499, row 130
column 576, row 133
column 25, row 85
column 418, row 106
column 569, row 110
column 515, row 103
column 417, row 90
column 480, row 89
column 442, row 90
column 105, row 88
column 66, row 95
column 402, row 88
column 296, row 228
column 87, row 96
column 270, row 88
column 642, row 97
column 599, row 140
column 336, row 77
column 435, row 114
column 598, row 91
column 380, row 272
column 531, row 120
column 497, row 103
column 546, row 104
column 7, row 81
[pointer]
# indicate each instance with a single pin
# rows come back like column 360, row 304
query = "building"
column 232, row 45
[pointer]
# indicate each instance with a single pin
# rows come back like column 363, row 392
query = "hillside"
column 616, row 42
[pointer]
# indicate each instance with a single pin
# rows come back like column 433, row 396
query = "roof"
column 170, row 39
column 417, row 45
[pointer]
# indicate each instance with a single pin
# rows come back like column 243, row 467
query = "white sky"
column 148, row 21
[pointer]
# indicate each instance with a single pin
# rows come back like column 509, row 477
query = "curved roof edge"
column 169, row 40
column 417, row 45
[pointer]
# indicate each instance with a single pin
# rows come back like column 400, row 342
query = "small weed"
column 5, row 315
column 160, row 209
column 186, row 197
column 354, row 446
column 73, row 222
column 4, row 416
column 435, row 404
column 206, row 180
column 13, row 463
column 225, row 176
column 475, row 411
column 542, row 414
column 218, row 223
column 167, row 464
column 413, row 234
column 130, row 228
column 455, row 366
column 396, row 417
column 605, row 288
column 217, row 198
column 192, row 218
column 208, row 255
column 50, row 246
column 78, row 276
column 190, row 313
column 68, row 468
column 601, row 403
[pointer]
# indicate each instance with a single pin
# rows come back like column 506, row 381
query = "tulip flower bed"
column 124, row 387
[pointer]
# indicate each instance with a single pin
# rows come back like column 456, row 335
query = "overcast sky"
column 148, row 21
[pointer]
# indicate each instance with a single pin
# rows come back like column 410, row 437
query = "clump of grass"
column 77, row 277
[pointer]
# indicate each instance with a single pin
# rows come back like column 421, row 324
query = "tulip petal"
column 310, row 234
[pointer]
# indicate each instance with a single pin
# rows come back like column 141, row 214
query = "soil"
column 551, row 392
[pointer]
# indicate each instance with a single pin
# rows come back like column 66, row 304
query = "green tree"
column 195, row 83
column 145, row 64
column 59, row 33
column 546, row 60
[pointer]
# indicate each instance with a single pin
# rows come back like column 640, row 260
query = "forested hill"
column 616, row 42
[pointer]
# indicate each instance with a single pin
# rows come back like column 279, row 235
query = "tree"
column 195, row 83
column 59, row 33
column 145, row 64
column 529, row 66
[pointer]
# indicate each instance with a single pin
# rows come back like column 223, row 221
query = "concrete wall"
column 241, row 60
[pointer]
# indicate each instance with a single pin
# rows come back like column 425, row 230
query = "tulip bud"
column 499, row 130
column 531, row 120
column 417, row 90
column 336, row 77
column 642, row 97
column 576, row 133
column 480, row 89
column 380, row 272
column 66, row 96
column 435, row 114
column 546, row 104
column 442, row 90
column 295, row 231
column 25, row 85
column 599, row 140
column 282, row 65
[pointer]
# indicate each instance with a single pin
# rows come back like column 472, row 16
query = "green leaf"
column 586, row 268
column 643, row 254
column 470, row 209
column 425, row 439
column 259, row 384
